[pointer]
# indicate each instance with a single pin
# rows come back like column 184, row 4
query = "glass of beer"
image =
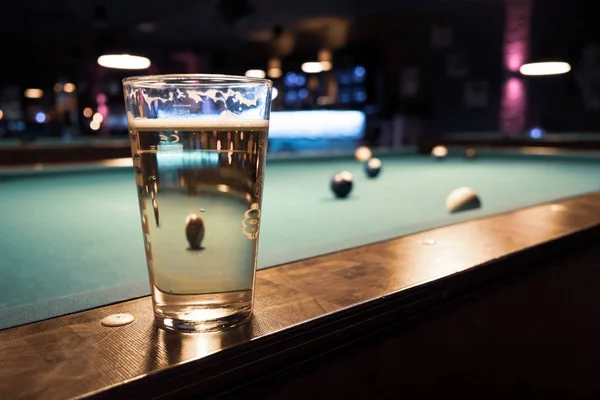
column 199, row 144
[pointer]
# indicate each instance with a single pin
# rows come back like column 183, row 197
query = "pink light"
column 515, row 56
column 514, row 107
column 514, row 89
column 516, row 33
column 103, row 109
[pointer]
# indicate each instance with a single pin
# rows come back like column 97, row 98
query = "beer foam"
column 197, row 123
column 197, row 96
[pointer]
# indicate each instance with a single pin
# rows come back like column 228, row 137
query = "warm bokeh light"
column 1, row 114
column 94, row 125
column 33, row 93
column 274, row 70
column 123, row 61
column 69, row 87
column 325, row 100
column 255, row 73
column 324, row 58
column 439, row 151
column 274, row 73
column 545, row 68
column 362, row 154
column 274, row 63
column 326, row 65
column 98, row 118
column 58, row 87
column 313, row 67
column 88, row 112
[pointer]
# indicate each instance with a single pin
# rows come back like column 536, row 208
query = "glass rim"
column 194, row 80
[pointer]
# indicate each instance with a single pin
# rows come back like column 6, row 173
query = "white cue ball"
column 462, row 199
column 362, row 154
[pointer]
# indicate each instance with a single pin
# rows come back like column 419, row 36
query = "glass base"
column 202, row 312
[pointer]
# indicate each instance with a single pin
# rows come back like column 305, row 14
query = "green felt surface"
column 73, row 240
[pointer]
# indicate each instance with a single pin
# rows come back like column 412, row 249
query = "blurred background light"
column 123, row 61
column 98, row 118
column 40, row 117
column 317, row 124
column 255, row 73
column 88, row 112
column 312, row 67
column 274, row 68
column 536, row 133
column 274, row 73
column 325, row 58
column 33, row 93
column 545, row 68
column 69, row 87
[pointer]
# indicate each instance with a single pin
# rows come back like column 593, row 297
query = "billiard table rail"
column 302, row 309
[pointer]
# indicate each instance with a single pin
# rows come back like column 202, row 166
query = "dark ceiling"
column 200, row 22
column 57, row 36
column 40, row 36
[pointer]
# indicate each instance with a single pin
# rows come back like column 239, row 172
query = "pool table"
column 72, row 238
column 484, row 299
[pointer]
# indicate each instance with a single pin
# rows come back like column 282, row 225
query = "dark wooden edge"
column 468, row 327
column 243, row 364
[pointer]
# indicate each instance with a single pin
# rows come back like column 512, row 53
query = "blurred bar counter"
column 53, row 150
column 566, row 140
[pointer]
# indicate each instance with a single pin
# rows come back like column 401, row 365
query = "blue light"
column 536, row 133
column 291, row 96
column 358, row 75
column 359, row 71
column 40, row 117
column 293, row 79
column 344, row 78
column 360, row 95
column 290, row 79
column 17, row 126
column 302, row 93
column 322, row 124
column 345, row 96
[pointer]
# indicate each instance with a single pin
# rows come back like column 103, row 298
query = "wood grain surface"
column 75, row 356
